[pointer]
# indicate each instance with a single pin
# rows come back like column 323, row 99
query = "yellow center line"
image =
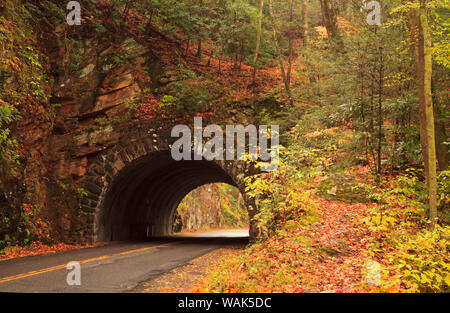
column 58, row 267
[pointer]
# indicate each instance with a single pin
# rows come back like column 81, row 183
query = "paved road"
column 116, row 267
column 226, row 233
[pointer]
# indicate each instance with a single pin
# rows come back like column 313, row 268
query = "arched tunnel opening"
column 142, row 199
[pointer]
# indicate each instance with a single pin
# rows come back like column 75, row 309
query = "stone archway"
column 134, row 190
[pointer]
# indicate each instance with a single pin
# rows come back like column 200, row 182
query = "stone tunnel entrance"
column 137, row 197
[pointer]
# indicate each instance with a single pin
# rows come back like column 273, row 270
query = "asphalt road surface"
column 116, row 267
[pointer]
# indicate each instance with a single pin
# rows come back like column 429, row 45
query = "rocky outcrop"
column 105, row 91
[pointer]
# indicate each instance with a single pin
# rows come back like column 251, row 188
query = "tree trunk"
column 442, row 152
column 258, row 39
column 187, row 48
column 305, row 22
column 199, row 42
column 210, row 57
column 413, row 25
column 330, row 22
column 290, row 49
column 199, row 48
column 424, row 75
column 280, row 56
column 380, row 114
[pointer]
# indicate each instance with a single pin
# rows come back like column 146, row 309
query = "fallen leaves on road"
column 37, row 248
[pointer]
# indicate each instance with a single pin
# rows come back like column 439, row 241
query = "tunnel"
column 142, row 199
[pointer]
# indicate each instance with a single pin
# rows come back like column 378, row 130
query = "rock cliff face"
column 100, row 91
column 108, row 105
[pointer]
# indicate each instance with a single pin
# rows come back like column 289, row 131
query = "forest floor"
column 333, row 252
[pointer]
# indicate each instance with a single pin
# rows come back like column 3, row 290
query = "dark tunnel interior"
column 142, row 199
